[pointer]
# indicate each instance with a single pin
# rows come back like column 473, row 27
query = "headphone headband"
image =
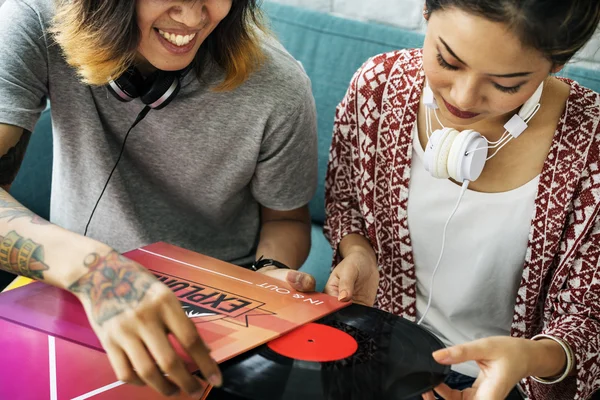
column 156, row 91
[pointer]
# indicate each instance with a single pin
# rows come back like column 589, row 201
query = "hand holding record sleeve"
column 356, row 353
column 356, row 277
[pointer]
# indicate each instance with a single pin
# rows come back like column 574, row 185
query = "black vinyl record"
column 392, row 361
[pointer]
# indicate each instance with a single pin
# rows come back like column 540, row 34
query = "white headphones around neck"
column 457, row 155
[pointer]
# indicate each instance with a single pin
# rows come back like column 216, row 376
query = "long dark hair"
column 100, row 39
column 558, row 28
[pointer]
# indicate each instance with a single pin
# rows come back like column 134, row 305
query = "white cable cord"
column 438, row 119
column 504, row 139
column 463, row 189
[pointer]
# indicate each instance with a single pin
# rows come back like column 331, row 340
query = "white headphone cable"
column 463, row 189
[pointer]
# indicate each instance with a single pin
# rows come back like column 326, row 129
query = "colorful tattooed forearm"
column 112, row 285
column 10, row 209
column 22, row 256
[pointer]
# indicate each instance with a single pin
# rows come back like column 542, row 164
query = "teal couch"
column 331, row 50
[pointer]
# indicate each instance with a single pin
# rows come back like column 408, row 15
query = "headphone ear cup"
column 455, row 152
column 160, row 89
column 436, row 152
column 470, row 157
column 128, row 86
column 443, row 150
column 430, row 149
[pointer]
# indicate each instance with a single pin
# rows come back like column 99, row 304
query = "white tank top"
column 476, row 284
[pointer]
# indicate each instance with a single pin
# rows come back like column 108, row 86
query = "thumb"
column 348, row 277
column 471, row 351
column 300, row 281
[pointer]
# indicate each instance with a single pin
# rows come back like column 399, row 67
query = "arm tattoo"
column 10, row 209
column 112, row 285
column 22, row 256
column 11, row 161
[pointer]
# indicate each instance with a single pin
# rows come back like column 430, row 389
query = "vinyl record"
column 356, row 353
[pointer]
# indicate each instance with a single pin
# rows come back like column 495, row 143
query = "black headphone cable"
column 140, row 117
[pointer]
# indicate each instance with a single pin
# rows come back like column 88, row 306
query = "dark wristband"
column 265, row 262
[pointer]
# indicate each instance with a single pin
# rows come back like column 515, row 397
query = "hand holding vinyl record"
column 356, row 278
column 503, row 362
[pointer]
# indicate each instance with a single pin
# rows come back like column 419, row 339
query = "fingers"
column 121, row 365
column 428, row 396
column 300, row 281
column 168, row 361
column 331, row 287
column 348, row 277
column 146, row 368
column 445, row 392
column 341, row 282
column 472, row 351
column 186, row 334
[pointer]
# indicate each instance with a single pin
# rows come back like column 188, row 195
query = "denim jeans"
column 459, row 381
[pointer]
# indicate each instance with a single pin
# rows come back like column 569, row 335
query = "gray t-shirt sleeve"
column 286, row 172
column 23, row 65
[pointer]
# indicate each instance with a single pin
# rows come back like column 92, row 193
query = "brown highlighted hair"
column 100, row 39
column 557, row 28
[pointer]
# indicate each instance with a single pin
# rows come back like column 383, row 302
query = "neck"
column 144, row 66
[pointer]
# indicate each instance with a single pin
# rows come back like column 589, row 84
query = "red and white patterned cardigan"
column 367, row 191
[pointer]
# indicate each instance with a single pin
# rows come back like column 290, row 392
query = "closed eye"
column 444, row 64
column 509, row 90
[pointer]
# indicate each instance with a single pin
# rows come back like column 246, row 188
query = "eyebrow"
column 512, row 75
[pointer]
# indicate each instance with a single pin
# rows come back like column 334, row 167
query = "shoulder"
column 582, row 104
column 281, row 76
column 379, row 69
column 582, row 116
column 42, row 10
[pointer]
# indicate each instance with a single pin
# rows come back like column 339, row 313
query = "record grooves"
column 390, row 359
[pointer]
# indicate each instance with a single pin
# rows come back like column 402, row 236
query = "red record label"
column 315, row 342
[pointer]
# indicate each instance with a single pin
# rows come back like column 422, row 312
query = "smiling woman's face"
column 477, row 68
column 172, row 31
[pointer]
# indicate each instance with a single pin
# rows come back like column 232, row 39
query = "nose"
column 190, row 13
column 465, row 93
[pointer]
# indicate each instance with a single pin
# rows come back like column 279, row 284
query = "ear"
column 425, row 12
column 557, row 68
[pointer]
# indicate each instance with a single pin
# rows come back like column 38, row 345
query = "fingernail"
column 295, row 277
column 343, row 296
column 215, row 380
column 442, row 356
column 307, row 281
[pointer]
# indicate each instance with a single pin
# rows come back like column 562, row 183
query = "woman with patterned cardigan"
column 501, row 259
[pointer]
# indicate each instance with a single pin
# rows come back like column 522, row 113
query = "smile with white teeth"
column 177, row 40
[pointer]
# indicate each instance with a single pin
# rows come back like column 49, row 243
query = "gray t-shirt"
column 193, row 174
